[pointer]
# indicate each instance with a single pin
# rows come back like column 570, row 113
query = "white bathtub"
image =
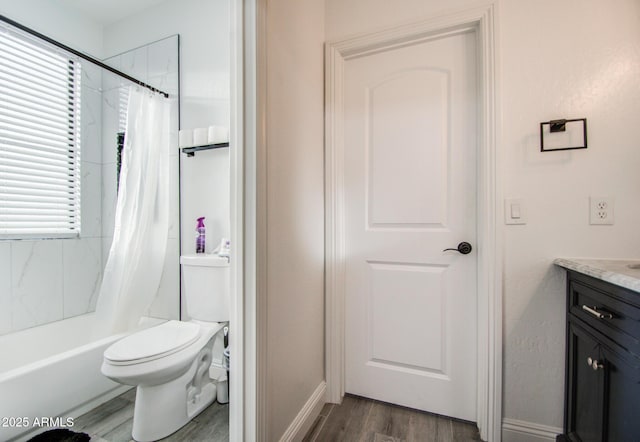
column 52, row 371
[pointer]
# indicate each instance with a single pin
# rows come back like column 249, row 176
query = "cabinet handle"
column 594, row 311
column 595, row 364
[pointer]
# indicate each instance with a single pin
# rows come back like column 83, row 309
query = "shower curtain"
column 136, row 259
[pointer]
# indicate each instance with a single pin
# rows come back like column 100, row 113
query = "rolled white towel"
column 200, row 136
column 185, row 138
column 218, row 134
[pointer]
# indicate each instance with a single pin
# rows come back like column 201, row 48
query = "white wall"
column 581, row 61
column 559, row 59
column 203, row 26
column 53, row 19
column 295, row 209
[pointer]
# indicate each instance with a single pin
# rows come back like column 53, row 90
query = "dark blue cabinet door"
column 585, row 388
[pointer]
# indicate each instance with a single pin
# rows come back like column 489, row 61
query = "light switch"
column 514, row 211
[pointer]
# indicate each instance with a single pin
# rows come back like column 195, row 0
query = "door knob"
column 595, row 364
column 464, row 248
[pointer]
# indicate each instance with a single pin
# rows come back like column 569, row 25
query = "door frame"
column 241, row 343
column 489, row 284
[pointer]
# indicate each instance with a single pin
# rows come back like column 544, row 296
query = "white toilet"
column 170, row 363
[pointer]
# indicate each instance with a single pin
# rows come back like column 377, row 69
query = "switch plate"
column 601, row 210
column 514, row 211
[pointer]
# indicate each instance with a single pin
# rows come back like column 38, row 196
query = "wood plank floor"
column 355, row 420
column 364, row 420
column 113, row 421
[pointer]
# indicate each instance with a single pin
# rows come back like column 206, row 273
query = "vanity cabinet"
column 602, row 395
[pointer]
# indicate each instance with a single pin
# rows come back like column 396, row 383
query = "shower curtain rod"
column 81, row 55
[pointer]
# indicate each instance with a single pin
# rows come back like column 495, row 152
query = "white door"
column 410, row 192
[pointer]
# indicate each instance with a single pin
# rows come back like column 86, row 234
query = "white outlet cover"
column 601, row 210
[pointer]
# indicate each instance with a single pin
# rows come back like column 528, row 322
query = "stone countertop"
column 615, row 271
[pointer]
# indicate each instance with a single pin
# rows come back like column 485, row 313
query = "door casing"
column 489, row 320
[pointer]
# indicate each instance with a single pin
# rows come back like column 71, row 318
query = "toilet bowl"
column 170, row 363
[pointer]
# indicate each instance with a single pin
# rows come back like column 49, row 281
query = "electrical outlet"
column 600, row 210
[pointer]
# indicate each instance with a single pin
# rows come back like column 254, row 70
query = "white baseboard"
column 307, row 416
column 514, row 430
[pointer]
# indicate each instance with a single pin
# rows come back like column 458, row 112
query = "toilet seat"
column 167, row 366
column 153, row 343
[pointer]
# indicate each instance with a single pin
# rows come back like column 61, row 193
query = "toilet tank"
column 206, row 287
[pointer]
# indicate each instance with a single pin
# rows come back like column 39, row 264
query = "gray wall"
column 294, row 209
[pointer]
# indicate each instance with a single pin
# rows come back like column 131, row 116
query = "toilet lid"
column 154, row 342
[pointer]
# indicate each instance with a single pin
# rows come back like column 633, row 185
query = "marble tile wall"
column 49, row 280
column 42, row 281
column 5, row 287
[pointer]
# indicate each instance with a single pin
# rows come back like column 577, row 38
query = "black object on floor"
column 60, row 435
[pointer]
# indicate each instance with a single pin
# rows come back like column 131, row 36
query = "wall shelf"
column 191, row 151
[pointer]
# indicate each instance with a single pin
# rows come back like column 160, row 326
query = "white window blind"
column 39, row 140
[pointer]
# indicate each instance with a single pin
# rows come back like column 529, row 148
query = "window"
column 39, row 140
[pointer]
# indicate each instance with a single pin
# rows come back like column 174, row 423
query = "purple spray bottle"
column 200, row 238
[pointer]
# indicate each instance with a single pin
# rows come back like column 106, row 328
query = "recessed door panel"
column 407, row 144
column 406, row 305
